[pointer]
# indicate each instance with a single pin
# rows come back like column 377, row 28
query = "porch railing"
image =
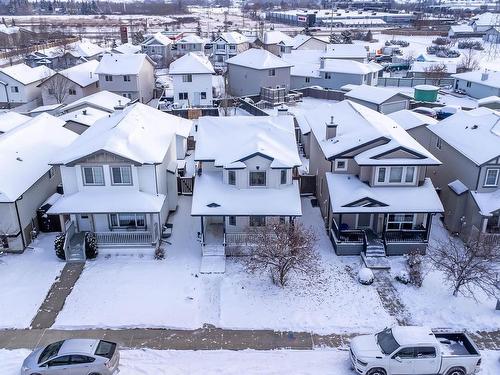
column 405, row 236
column 124, row 238
column 240, row 239
column 350, row 235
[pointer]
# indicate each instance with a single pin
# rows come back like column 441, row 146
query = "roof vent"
column 213, row 205
column 19, row 159
column 474, row 127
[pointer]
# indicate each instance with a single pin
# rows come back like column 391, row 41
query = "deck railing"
column 406, row 236
column 240, row 239
column 124, row 238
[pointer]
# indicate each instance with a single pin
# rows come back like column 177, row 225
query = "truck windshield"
column 386, row 341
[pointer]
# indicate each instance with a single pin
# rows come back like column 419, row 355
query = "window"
column 381, row 175
column 52, row 91
column 187, row 78
column 257, row 221
column 93, row 176
column 328, row 75
column 257, row 178
column 400, row 222
column 183, row 96
column 51, row 172
column 203, row 95
column 79, row 359
column 232, row 220
column 223, row 47
column 14, row 89
column 341, row 164
column 410, row 174
column 308, row 79
column 426, row 352
column 231, row 177
column 108, row 78
column 491, row 179
column 439, row 143
column 469, row 84
column 126, row 78
column 59, row 361
column 128, row 221
column 406, row 353
column 127, row 95
column 232, row 47
column 121, row 175
column 396, row 175
column 72, row 92
column 272, row 72
column 283, row 176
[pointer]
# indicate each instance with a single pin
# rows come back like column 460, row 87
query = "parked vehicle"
column 414, row 350
column 446, row 111
column 75, row 357
column 425, row 111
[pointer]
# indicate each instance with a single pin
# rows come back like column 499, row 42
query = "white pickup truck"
column 414, row 351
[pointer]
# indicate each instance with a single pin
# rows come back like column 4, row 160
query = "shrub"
column 440, row 41
column 365, row 276
column 91, row 250
column 414, row 267
column 403, row 277
column 159, row 253
column 59, row 246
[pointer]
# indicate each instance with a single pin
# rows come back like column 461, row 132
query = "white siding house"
column 19, row 83
column 227, row 45
column 478, row 84
column 159, row 48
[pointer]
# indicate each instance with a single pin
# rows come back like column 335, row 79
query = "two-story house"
column 227, row 45
column 159, row 48
column 244, row 178
column 119, row 181
column 19, row 83
column 192, row 80
column 187, row 44
column 71, row 84
column 254, row 69
column 468, row 144
column 27, row 178
column 131, row 76
column 371, row 185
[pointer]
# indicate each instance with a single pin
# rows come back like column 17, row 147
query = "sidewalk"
column 206, row 338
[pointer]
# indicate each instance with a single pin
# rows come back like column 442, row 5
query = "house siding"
column 248, row 81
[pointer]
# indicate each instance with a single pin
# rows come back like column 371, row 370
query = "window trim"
column 187, row 78
column 108, row 77
column 112, row 178
column 126, row 78
column 93, row 175
column 497, row 177
column 337, row 168
column 229, row 179
column 400, row 222
column 118, row 227
column 272, row 72
column 250, row 179
column 387, row 175
column 231, row 221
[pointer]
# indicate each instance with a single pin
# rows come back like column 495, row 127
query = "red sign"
column 302, row 18
column 124, row 34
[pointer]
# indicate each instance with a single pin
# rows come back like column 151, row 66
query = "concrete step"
column 213, row 250
column 375, row 262
column 213, row 264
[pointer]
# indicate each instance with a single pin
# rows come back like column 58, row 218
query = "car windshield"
column 386, row 341
column 105, row 349
column 50, row 351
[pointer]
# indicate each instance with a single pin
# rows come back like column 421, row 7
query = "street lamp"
column 5, row 84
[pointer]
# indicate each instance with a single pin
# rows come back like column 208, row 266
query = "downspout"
column 6, row 93
column 329, row 205
column 156, row 179
column 19, row 222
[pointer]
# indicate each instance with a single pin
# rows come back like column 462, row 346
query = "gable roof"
column 190, row 38
column 10, row 120
column 372, row 94
column 158, row 39
column 104, row 100
column 25, row 153
column 350, row 67
column 492, row 78
column 122, row 64
column 127, row 49
column 230, row 140
column 258, row 59
column 139, row 133
column 191, row 63
column 25, row 74
column 81, row 74
column 85, row 49
column 475, row 134
column 408, row 119
column 233, row 37
column 275, row 37
column 86, row 116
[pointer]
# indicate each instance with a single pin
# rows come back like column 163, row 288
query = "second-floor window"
column 93, row 176
column 491, row 179
column 272, row 72
column 283, row 177
column 121, row 175
column 257, row 178
column 187, row 78
column 395, row 175
column 341, row 164
column 108, row 78
column 14, row 89
column 72, row 92
column 126, row 78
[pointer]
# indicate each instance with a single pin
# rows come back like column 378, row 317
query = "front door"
column 196, row 99
column 84, row 223
column 364, row 221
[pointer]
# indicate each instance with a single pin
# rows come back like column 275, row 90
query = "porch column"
column 428, row 225
column 484, row 225
column 202, row 230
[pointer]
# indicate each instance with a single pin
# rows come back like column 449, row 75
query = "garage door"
column 387, row 108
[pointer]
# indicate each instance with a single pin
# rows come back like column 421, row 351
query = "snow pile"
column 365, row 276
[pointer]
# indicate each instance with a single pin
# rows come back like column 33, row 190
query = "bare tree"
column 469, row 266
column 435, row 72
column 282, row 249
column 58, row 87
column 469, row 61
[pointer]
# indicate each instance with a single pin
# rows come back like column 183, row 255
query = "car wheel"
column 456, row 371
column 376, row 371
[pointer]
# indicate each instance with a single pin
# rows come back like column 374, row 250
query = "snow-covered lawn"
column 222, row 362
column 141, row 292
column 433, row 304
column 25, row 280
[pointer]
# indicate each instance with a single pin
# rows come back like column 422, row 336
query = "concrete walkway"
column 207, row 338
column 54, row 302
column 390, row 297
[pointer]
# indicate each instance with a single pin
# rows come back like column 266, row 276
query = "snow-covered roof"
column 127, row 49
column 191, row 39
column 233, row 37
column 25, row 74
column 299, row 40
column 104, row 100
column 258, row 59
column 350, row 67
column 85, row 49
column 408, row 119
column 46, row 108
column 358, row 126
column 275, row 37
column 488, row 203
column 191, row 63
column 372, row 94
column 346, row 51
column 86, row 116
column 122, row 64
column 213, row 197
column 491, row 79
column 10, row 120
column 424, row 66
column 458, row 187
column 138, row 133
column 475, row 134
column 114, row 200
column 304, row 126
column 25, row 153
column 488, row 100
column 347, row 191
column 229, row 140
column 158, row 39
column 82, row 74
column 486, row 19
column 461, row 29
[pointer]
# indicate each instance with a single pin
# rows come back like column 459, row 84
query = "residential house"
column 127, row 49
column 227, row 45
column 302, row 42
column 492, row 35
column 10, row 120
column 273, row 40
column 71, row 84
column 484, row 21
column 254, row 69
column 80, row 52
column 460, row 31
column 192, row 80
column 103, row 100
column 244, row 180
column 119, row 181
column 131, row 76
column 478, row 84
column 492, row 102
column 432, row 69
column 380, row 99
column 187, row 44
column 370, row 185
column 25, row 152
column 19, row 83
column 468, row 144
column 415, row 124
column 159, row 48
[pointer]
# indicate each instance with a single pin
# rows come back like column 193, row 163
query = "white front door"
column 196, row 99
column 84, row 223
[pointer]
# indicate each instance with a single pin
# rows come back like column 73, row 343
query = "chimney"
column 84, row 112
column 282, row 110
column 331, row 129
column 484, row 75
column 120, row 106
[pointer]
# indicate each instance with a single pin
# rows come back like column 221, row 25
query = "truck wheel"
column 376, row 371
column 456, row 371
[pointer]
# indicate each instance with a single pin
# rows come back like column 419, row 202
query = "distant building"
column 227, row 45
column 478, row 84
column 159, row 48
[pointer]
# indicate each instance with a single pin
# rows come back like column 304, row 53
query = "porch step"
column 213, row 250
column 213, row 264
column 375, row 251
column 77, row 248
column 376, row 262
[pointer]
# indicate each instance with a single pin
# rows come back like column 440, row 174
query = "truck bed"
column 456, row 344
